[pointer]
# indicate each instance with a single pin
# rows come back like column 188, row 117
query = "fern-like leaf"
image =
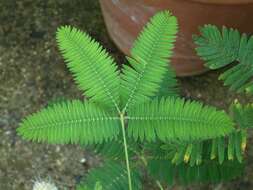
column 111, row 176
column 149, row 60
column 175, row 118
column 161, row 168
column 208, row 171
column 114, row 150
column 70, row 122
column 94, row 70
column 168, row 86
column 216, row 48
column 243, row 115
column 219, row 49
column 230, row 147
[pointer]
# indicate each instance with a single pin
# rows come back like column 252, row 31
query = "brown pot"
column 125, row 18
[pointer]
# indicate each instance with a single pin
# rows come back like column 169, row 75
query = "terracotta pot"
column 125, row 18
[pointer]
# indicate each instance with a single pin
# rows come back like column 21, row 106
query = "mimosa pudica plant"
column 135, row 119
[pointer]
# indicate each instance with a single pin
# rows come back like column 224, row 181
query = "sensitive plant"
column 227, row 47
column 135, row 119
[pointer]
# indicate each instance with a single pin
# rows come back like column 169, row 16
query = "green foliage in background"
column 228, row 47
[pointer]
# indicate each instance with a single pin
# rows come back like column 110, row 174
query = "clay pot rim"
column 224, row 2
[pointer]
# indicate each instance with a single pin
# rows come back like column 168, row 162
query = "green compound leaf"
column 208, row 171
column 111, row 176
column 230, row 147
column 70, row 122
column 114, row 150
column 243, row 115
column 177, row 119
column 149, row 61
column 161, row 168
column 220, row 48
column 94, row 70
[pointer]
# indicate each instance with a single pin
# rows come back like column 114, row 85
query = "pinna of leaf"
column 219, row 48
column 124, row 103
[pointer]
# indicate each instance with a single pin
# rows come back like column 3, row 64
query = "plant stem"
column 126, row 152
column 159, row 185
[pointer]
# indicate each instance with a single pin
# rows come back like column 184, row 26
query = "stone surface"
column 32, row 73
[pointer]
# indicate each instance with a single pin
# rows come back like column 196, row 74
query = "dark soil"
column 32, row 73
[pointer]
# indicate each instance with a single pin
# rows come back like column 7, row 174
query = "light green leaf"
column 149, row 61
column 174, row 118
column 94, row 70
column 70, row 122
